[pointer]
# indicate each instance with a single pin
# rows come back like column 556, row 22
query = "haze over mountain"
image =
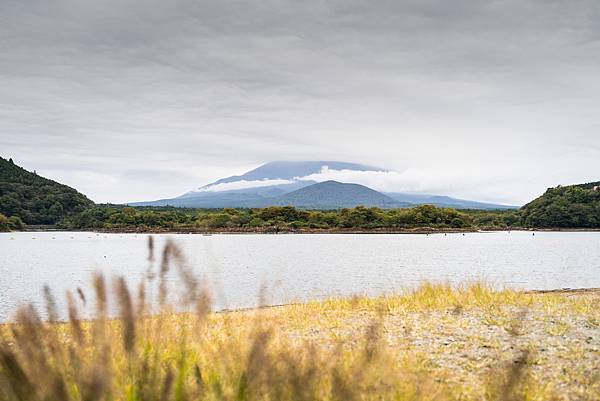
column 281, row 182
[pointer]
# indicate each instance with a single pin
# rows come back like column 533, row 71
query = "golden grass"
column 436, row 342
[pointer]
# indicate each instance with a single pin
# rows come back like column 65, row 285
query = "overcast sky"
column 136, row 100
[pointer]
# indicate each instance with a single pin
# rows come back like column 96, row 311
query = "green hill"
column 336, row 195
column 35, row 199
column 572, row 206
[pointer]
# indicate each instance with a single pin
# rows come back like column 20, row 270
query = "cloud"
column 409, row 180
column 198, row 90
column 242, row 184
column 438, row 182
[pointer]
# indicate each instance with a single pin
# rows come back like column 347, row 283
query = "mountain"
column 268, row 184
column 335, row 195
column 288, row 170
column 256, row 186
column 445, row 201
column 35, row 199
column 565, row 206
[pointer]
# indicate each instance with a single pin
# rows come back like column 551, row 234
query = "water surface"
column 299, row 267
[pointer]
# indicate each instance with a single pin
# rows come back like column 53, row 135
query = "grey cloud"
column 196, row 90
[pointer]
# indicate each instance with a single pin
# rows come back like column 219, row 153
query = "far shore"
column 275, row 230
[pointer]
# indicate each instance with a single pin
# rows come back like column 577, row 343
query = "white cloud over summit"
column 409, row 180
column 384, row 181
column 242, row 184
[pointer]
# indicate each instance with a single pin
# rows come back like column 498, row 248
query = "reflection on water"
column 299, row 267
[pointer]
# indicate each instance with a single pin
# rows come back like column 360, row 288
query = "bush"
column 10, row 223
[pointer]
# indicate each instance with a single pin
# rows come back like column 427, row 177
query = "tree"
column 15, row 223
column 4, row 224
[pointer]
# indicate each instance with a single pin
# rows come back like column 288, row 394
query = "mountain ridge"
column 335, row 195
column 258, row 188
column 292, row 169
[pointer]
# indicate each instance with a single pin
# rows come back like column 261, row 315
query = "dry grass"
column 433, row 343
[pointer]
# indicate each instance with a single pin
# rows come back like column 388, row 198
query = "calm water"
column 297, row 267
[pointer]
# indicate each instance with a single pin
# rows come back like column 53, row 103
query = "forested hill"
column 335, row 195
column 573, row 206
column 35, row 199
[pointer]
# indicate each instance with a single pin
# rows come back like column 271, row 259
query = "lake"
column 298, row 267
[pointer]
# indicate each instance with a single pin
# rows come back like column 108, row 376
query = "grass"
column 436, row 342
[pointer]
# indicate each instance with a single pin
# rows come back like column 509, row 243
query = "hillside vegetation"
column 572, row 206
column 34, row 199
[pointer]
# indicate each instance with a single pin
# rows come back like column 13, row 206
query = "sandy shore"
column 556, row 332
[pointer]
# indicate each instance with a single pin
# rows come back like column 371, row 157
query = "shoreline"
column 557, row 291
column 271, row 230
column 245, row 309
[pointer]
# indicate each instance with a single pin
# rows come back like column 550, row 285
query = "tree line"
column 285, row 218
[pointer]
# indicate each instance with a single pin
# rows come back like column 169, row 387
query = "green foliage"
column 286, row 218
column 431, row 216
column 129, row 218
column 34, row 199
column 570, row 206
column 10, row 223
column 495, row 219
